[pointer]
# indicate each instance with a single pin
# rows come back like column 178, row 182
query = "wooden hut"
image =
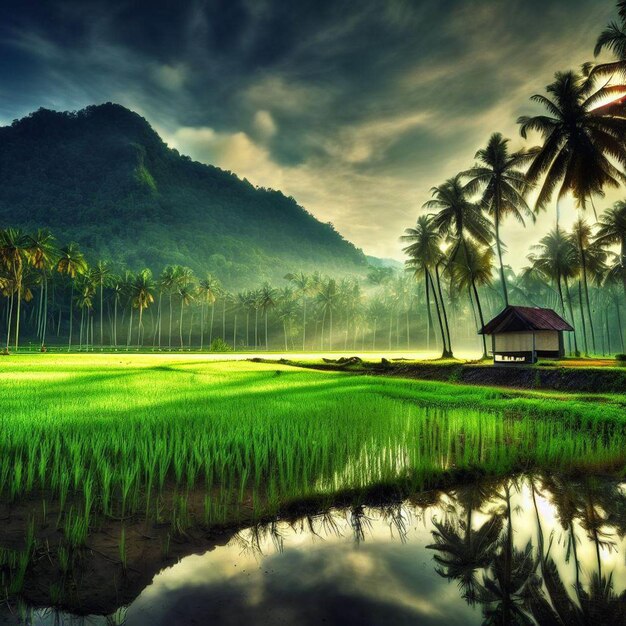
column 522, row 334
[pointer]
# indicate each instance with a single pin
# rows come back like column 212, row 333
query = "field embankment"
column 558, row 376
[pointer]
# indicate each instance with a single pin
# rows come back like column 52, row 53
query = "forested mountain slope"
column 104, row 178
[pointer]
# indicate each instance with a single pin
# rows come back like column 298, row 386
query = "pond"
column 529, row 549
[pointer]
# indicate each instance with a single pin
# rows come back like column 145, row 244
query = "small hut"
column 522, row 334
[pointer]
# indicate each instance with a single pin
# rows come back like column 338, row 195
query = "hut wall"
column 545, row 340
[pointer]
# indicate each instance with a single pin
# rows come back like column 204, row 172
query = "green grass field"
column 126, row 435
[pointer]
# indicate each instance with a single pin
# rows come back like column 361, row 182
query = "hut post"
column 533, row 358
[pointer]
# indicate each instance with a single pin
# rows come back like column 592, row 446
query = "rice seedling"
column 118, row 438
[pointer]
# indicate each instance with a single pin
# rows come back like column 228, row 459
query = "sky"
column 357, row 109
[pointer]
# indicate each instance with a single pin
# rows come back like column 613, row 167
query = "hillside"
column 103, row 177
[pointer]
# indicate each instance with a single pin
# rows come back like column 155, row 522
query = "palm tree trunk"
column 17, row 316
column 266, row 338
column 619, row 323
column 582, row 316
column 80, row 331
column 429, row 321
column 256, row 328
column 439, row 318
column 562, row 302
column 374, row 337
column 101, row 312
column 115, row 322
column 480, row 316
column 571, row 312
column 130, row 328
column 408, row 332
column 303, row 323
column 505, row 292
column 235, row 333
column 159, row 317
column 608, row 330
column 443, row 310
column 471, row 299
column 69, row 345
column 170, row 333
column 224, row 319
column 40, row 307
column 44, row 326
column 140, row 328
column 10, row 319
column 247, row 328
column 180, row 326
column 201, row 325
column 212, row 318
column 330, row 330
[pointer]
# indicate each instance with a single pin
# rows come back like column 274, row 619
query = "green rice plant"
column 75, row 528
column 100, row 438
column 64, row 559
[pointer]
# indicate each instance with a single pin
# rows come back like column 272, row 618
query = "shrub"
column 219, row 345
column 621, row 358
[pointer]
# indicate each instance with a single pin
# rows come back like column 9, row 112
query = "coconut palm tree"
column 424, row 252
column 86, row 288
column 612, row 285
column 208, row 291
column 42, row 255
column 117, row 287
column 589, row 253
column 303, row 284
column 168, row 285
column 287, row 310
column 470, row 268
column 182, row 281
column 457, row 218
column 14, row 245
column 127, row 293
column 327, row 300
column 583, row 150
column 186, row 294
column 612, row 231
column 556, row 260
column 102, row 275
column 71, row 263
column 143, row 297
column 267, row 301
column 613, row 38
column 502, row 185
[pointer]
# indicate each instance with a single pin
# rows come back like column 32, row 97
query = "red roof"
column 520, row 318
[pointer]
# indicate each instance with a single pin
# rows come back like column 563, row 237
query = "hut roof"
column 523, row 318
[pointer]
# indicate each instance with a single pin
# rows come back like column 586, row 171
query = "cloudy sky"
column 355, row 108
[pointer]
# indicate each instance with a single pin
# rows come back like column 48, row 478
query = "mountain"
column 104, row 178
column 378, row 262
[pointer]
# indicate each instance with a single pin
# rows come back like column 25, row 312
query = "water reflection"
column 528, row 550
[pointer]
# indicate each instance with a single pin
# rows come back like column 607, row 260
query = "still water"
column 528, row 550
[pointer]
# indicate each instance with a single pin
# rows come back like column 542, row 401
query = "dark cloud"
column 354, row 108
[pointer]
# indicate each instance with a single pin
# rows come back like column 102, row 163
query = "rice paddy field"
column 167, row 442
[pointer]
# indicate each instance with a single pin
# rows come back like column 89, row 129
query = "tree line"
column 53, row 296
column 581, row 153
